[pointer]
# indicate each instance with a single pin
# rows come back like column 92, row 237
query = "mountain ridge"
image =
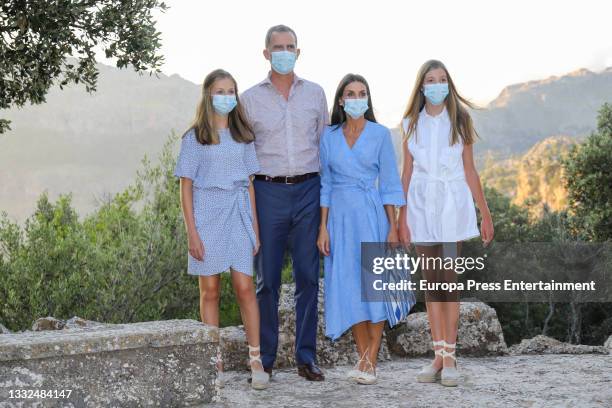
column 92, row 144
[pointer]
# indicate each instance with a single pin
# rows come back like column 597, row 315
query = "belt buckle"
column 287, row 180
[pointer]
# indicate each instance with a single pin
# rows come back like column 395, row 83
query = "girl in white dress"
column 441, row 184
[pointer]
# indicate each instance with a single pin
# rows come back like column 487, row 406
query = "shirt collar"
column 441, row 116
column 268, row 81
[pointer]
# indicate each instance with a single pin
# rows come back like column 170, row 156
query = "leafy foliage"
column 124, row 263
column 38, row 37
column 589, row 181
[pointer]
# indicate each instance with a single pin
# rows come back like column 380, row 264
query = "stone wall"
column 161, row 363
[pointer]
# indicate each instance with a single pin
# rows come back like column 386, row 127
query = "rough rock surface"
column 4, row 330
column 547, row 345
column 480, row 333
column 329, row 353
column 48, row 323
column 234, row 351
column 167, row 363
column 507, row 381
column 78, row 323
column 608, row 344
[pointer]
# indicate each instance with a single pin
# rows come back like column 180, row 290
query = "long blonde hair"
column 456, row 106
column 204, row 124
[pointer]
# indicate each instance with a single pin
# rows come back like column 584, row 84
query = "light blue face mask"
column 436, row 93
column 355, row 108
column 224, row 104
column 283, row 61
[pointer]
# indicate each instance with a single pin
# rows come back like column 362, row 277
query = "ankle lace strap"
column 438, row 343
column 450, row 354
column 256, row 357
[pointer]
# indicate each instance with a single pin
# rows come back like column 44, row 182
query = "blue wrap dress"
column 221, row 203
column 355, row 184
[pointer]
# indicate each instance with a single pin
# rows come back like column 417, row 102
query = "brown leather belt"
column 286, row 179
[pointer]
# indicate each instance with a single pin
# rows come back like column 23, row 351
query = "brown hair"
column 204, row 125
column 338, row 116
column 456, row 106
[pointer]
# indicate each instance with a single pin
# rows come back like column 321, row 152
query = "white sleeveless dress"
column 439, row 201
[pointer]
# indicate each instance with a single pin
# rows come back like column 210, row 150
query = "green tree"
column 126, row 262
column 37, row 38
column 588, row 179
column 47, row 268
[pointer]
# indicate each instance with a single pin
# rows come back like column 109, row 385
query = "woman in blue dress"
column 215, row 163
column 355, row 153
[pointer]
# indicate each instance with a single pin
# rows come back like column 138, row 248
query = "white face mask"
column 436, row 93
column 283, row 62
column 223, row 104
column 356, row 108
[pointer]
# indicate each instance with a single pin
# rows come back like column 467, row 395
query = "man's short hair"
column 281, row 28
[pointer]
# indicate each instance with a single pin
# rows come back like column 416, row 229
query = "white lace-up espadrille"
column 367, row 376
column 429, row 373
column 450, row 375
column 259, row 378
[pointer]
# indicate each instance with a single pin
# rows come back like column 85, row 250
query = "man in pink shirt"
column 288, row 115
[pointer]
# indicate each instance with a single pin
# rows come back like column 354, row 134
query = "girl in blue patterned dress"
column 356, row 153
column 215, row 164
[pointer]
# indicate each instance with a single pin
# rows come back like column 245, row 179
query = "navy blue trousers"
column 289, row 216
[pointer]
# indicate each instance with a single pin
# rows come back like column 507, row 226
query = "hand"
column 257, row 245
column 392, row 235
column 486, row 229
column 404, row 235
column 196, row 247
column 323, row 241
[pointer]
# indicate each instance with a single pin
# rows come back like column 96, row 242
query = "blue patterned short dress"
column 221, row 203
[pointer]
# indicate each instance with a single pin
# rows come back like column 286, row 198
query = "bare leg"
column 210, row 290
column 451, row 314
column 435, row 310
column 375, row 331
column 249, row 311
column 209, row 299
column 362, row 340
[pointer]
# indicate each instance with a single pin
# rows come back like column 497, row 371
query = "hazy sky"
column 486, row 45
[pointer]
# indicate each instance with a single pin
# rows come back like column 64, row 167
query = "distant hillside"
column 93, row 144
column 534, row 178
column 523, row 114
column 90, row 144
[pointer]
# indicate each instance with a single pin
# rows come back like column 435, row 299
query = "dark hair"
column 338, row 116
column 281, row 28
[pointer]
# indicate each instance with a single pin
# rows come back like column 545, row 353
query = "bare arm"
column 323, row 238
column 254, row 209
column 473, row 180
column 187, row 204
column 391, row 216
column 324, row 213
column 196, row 248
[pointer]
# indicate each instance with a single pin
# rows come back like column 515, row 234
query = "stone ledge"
column 105, row 337
column 160, row 363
